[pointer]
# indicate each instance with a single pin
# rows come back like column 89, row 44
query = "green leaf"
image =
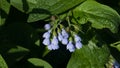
column 4, row 10
column 2, row 63
column 89, row 56
column 41, row 9
column 101, row 16
column 116, row 45
column 52, row 7
column 18, row 49
column 39, row 63
column 15, row 54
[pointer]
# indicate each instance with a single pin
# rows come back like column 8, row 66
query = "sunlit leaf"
column 4, row 10
column 41, row 9
column 101, row 16
column 2, row 63
column 116, row 45
column 39, row 63
column 90, row 56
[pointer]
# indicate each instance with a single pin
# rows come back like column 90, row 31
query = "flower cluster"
column 62, row 36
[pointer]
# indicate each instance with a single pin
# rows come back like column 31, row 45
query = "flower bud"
column 47, row 26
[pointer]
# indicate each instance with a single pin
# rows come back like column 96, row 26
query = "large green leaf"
column 90, row 56
column 41, row 9
column 2, row 63
column 4, row 10
column 39, row 63
column 101, row 16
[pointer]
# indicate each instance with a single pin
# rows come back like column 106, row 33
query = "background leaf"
column 39, row 63
column 4, row 10
column 101, row 16
column 90, row 56
column 41, row 9
column 116, row 45
column 2, row 63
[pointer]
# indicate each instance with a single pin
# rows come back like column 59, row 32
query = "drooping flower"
column 54, row 41
column 78, row 45
column 47, row 26
column 54, row 44
column 49, row 47
column 70, row 46
column 46, row 41
column 64, row 41
column 77, row 38
column 64, row 33
column 55, row 47
column 46, row 34
column 60, row 37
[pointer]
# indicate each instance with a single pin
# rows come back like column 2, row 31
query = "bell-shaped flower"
column 47, row 26
column 70, row 46
column 60, row 37
column 77, row 38
column 54, row 41
column 55, row 47
column 72, row 50
column 49, row 47
column 64, row 33
column 78, row 45
column 64, row 41
column 46, row 41
column 46, row 34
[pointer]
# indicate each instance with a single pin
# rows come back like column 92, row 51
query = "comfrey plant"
column 60, row 34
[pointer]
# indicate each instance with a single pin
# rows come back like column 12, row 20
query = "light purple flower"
column 47, row 26
column 72, row 50
column 64, row 33
column 78, row 45
column 46, row 35
column 55, row 40
column 49, row 47
column 70, row 46
column 55, row 47
column 64, row 41
column 46, row 41
column 77, row 38
column 60, row 37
